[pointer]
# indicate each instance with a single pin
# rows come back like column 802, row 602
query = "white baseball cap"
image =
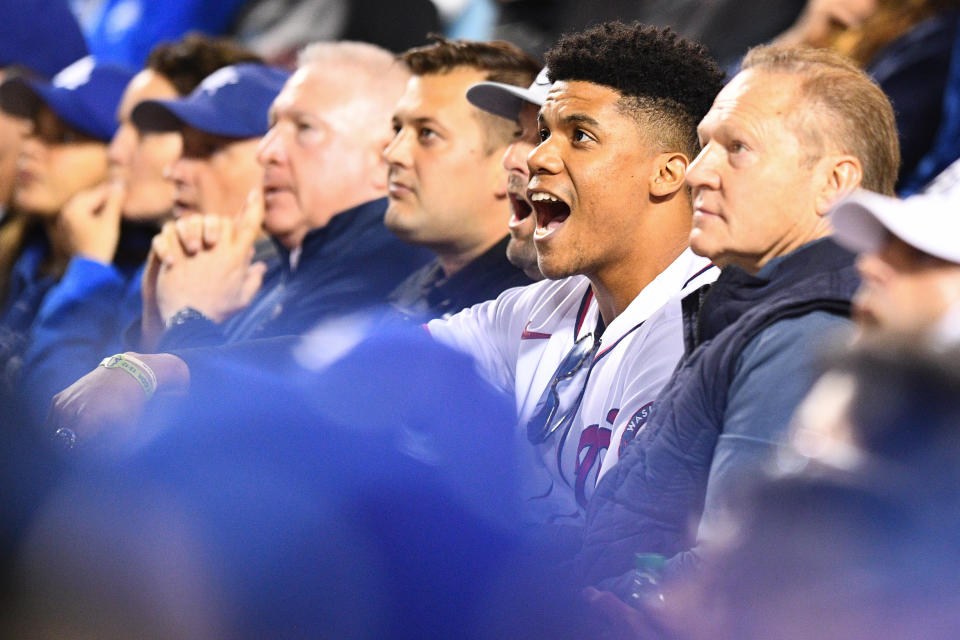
column 928, row 222
column 506, row 100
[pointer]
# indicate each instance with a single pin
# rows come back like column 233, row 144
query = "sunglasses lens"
column 544, row 420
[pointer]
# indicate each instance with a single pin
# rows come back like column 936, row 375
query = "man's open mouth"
column 551, row 212
column 520, row 207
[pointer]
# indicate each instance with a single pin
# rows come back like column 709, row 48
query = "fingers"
column 190, row 232
column 252, row 282
column 85, row 203
column 250, row 222
column 166, row 245
column 113, row 199
column 212, row 228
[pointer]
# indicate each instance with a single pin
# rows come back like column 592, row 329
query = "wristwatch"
column 186, row 315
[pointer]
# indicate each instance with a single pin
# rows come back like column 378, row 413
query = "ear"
column 842, row 174
column 669, row 171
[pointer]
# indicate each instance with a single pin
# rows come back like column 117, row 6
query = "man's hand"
column 108, row 403
column 89, row 224
column 204, row 262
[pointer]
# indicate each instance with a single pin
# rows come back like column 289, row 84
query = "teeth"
column 540, row 196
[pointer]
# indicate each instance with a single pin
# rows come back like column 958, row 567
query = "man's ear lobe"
column 669, row 172
column 844, row 175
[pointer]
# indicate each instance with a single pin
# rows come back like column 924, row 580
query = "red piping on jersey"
column 582, row 314
column 697, row 275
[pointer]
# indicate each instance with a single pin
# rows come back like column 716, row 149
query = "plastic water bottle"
column 646, row 592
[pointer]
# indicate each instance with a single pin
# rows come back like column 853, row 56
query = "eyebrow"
column 574, row 119
column 579, row 118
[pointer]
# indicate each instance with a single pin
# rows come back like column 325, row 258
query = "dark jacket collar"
column 340, row 226
column 737, row 291
column 428, row 293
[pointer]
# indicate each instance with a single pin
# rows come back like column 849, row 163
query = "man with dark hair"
column 780, row 147
column 522, row 106
column 585, row 355
column 447, row 183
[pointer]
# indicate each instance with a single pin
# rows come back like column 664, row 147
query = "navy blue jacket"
column 350, row 264
column 706, row 437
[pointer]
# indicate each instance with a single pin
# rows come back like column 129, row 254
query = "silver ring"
column 65, row 437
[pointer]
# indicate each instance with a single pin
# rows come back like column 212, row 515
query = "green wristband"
column 137, row 369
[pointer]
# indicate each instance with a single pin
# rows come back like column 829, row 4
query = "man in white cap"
column 522, row 106
column 909, row 261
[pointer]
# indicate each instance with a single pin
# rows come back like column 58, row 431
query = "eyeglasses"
column 545, row 419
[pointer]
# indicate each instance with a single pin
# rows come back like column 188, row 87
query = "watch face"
column 185, row 315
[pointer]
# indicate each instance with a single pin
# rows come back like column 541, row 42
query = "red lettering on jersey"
column 594, row 440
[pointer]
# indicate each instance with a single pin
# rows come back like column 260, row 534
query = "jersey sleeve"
column 490, row 333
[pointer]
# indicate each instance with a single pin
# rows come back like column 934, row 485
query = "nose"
column 872, row 267
column 702, row 172
column 544, row 159
column 515, row 158
column 271, row 149
column 397, row 153
column 179, row 171
column 31, row 146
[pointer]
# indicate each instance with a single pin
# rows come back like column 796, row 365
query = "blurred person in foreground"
column 376, row 500
column 909, row 262
column 854, row 536
column 780, row 148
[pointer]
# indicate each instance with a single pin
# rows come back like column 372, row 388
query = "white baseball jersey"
column 519, row 340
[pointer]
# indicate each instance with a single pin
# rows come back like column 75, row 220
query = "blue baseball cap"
column 41, row 35
column 85, row 95
column 232, row 101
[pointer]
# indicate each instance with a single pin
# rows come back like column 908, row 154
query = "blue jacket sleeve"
column 79, row 323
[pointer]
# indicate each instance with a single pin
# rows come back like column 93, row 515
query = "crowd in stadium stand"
column 480, row 319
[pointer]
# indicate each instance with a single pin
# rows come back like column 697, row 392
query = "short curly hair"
column 666, row 82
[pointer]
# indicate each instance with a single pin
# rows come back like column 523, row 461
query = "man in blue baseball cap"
column 71, row 121
column 220, row 123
